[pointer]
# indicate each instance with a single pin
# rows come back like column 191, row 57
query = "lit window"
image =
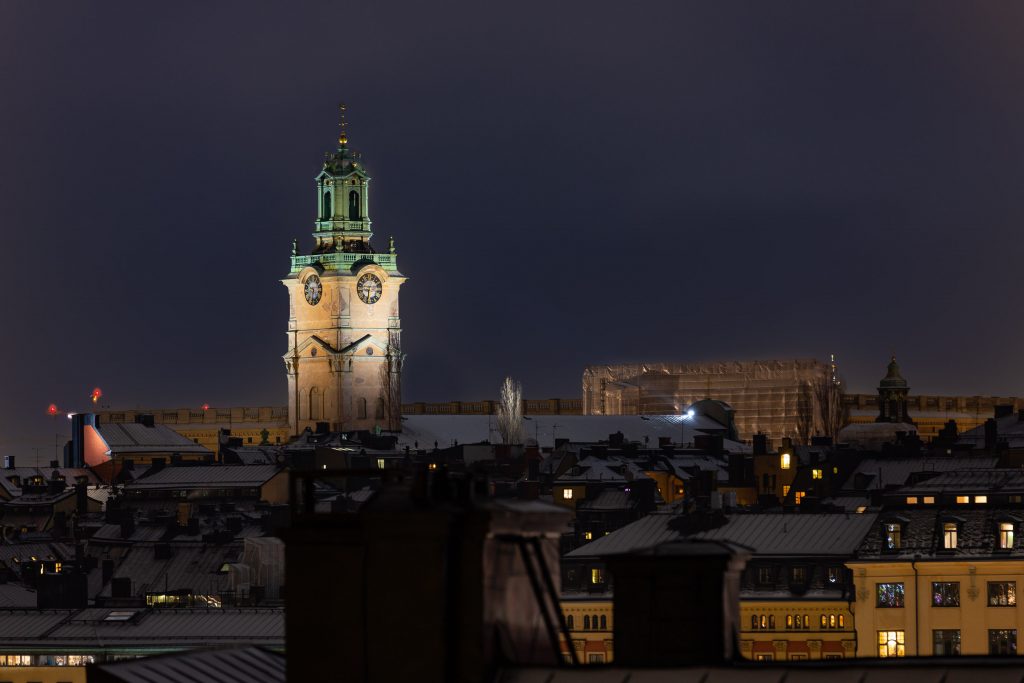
column 833, row 574
column 861, row 509
column 784, row 461
column 587, row 535
column 789, row 621
column 596, row 577
column 946, row 643
column 946, row 594
column 815, row 474
column 432, row 466
column 1002, row 641
column 807, row 621
column 567, row 494
column 949, row 535
column 963, row 500
column 1005, row 535
column 1002, row 594
column 842, row 621
column 831, row 621
column 835, row 470
column 891, row 536
column 981, row 499
column 889, row 595
column 891, row 644
column 380, row 463
column 799, row 496
column 785, row 491
column 911, row 500
column 824, row 621
column 929, row 500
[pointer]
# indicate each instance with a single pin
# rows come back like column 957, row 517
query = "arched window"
column 326, row 212
column 604, row 623
column 753, row 621
column 361, row 408
column 353, row 205
column 593, row 622
column 379, row 410
column 586, row 622
column 568, row 622
column 315, row 411
column 824, row 621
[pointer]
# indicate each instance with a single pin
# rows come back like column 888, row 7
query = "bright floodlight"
column 689, row 414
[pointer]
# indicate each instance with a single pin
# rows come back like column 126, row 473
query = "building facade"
column 344, row 332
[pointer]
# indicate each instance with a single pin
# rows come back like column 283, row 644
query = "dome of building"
column 893, row 379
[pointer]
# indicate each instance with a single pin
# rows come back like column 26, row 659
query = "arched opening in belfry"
column 315, row 404
column 353, row 205
column 326, row 213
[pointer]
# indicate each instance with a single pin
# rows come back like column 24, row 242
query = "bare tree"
column 510, row 412
column 391, row 382
column 832, row 413
column 820, row 406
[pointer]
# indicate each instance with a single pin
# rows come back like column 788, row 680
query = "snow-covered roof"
column 424, row 430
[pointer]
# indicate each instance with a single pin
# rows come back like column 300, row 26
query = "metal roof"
column 206, row 476
column 468, row 429
column 134, row 437
column 169, row 628
column 236, row 665
column 800, row 534
column 190, row 566
column 764, row 534
column 882, row 472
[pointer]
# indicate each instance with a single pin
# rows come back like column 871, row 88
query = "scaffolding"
column 775, row 397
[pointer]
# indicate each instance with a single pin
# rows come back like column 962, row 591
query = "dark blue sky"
column 567, row 183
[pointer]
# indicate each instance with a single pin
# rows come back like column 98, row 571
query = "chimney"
column 1003, row 410
column 760, row 444
column 8, row 462
column 82, row 498
column 107, row 569
column 146, row 420
column 121, row 587
column 677, row 604
column 127, row 524
column 54, row 464
column 991, row 434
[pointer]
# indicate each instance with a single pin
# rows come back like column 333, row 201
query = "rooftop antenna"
column 342, row 125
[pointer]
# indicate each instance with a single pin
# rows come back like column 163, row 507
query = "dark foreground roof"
column 238, row 665
column 916, row 669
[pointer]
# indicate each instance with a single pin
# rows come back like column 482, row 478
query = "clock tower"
column 344, row 357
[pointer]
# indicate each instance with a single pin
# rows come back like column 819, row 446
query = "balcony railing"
column 340, row 260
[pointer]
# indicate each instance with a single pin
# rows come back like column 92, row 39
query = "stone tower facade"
column 344, row 333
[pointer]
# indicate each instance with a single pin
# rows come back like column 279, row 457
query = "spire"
column 342, row 124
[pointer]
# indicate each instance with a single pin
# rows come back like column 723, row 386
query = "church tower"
column 344, row 355
column 892, row 396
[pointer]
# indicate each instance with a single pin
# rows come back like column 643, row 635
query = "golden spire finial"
column 342, row 123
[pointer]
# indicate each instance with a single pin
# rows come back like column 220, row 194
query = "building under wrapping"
column 776, row 397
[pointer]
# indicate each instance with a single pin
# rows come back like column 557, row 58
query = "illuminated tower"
column 344, row 333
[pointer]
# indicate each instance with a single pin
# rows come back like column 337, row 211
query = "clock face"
column 369, row 288
column 314, row 290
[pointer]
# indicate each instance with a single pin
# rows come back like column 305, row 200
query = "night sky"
column 567, row 183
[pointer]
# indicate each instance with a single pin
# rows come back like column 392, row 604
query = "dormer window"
column 891, row 536
column 1006, row 535
column 949, row 534
column 784, row 461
